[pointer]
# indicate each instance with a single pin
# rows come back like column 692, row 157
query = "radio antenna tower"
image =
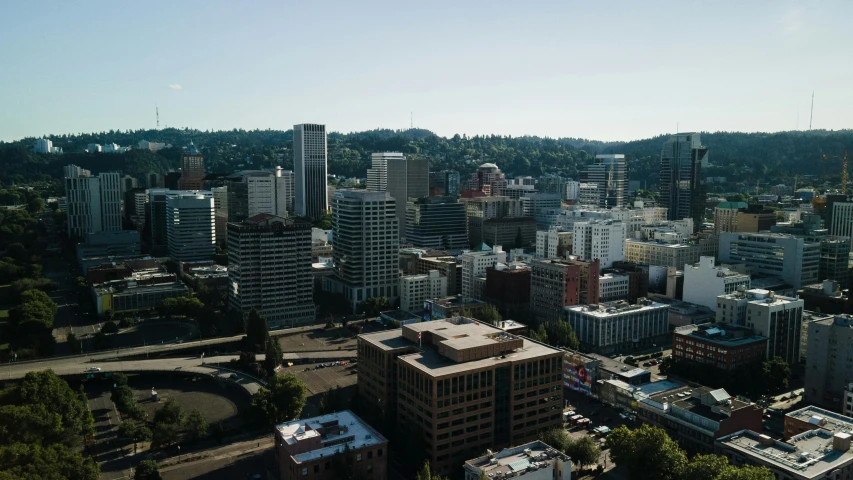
column 157, row 111
column 411, row 120
column 811, row 112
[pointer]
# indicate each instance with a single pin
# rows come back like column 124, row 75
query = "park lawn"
column 4, row 314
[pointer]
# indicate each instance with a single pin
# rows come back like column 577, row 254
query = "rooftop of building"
column 660, row 243
column 760, row 296
column 809, row 455
column 618, row 307
column 459, row 301
column 770, row 283
column 705, row 402
column 130, row 286
column 334, row 431
column 733, row 205
column 728, row 335
column 612, row 365
column 451, row 346
column 518, row 461
column 680, row 306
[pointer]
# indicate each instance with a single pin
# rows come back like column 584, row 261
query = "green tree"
column 665, row 366
column 705, row 466
column 333, row 400
column 109, row 327
column 147, row 470
column 584, row 451
column 55, row 462
column 425, row 473
column 540, row 334
column 648, row 452
column 556, row 437
column 170, row 413
column 566, row 335
column 281, row 400
column 747, row 472
column 196, row 424
column 48, row 390
column 257, row 331
column 777, row 374
column 164, row 435
column 274, row 355
column 373, row 305
column 490, row 314
column 134, row 431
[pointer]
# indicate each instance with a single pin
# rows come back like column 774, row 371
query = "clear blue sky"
column 611, row 70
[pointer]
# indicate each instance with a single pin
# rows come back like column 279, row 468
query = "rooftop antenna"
column 811, row 112
column 676, row 128
column 157, row 111
column 411, row 120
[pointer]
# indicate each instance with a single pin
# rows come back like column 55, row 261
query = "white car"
column 93, row 369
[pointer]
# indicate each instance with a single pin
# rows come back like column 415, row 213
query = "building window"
column 305, row 472
column 357, row 457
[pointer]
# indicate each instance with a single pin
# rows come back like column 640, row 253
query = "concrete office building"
column 93, row 204
column 553, row 243
column 269, row 269
column 572, row 190
column 192, row 169
column 531, row 461
column 616, row 327
column 253, row 192
column 315, row 447
column 555, row 284
column 516, row 231
column 403, row 178
column 416, row 289
column 681, row 184
column 755, row 218
column 366, row 246
column 436, row 222
column 474, row 265
column 135, row 206
column 612, row 287
column 795, row 260
column 610, row 174
column 448, row 267
column 842, row 219
column 776, row 317
column 726, row 216
column 589, row 194
column 467, row 386
column 554, row 184
column 704, row 282
column 310, row 168
column 829, row 361
column 602, row 240
column 190, row 225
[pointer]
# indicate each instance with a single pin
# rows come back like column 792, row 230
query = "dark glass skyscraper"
column 682, row 190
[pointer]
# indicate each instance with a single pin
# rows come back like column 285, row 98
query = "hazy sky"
column 608, row 70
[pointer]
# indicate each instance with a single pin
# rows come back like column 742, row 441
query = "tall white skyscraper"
column 311, row 168
column 190, row 225
column 401, row 177
column 366, row 248
column 269, row 269
column 93, row 203
column 602, row 240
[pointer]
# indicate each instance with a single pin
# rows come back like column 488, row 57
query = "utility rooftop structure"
column 534, row 460
column 817, row 446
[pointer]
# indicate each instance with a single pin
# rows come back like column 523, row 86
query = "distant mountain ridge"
column 748, row 155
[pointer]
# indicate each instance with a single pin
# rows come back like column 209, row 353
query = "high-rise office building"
column 366, row 246
column 436, row 222
column 463, row 385
column 403, row 178
column 93, row 203
column 311, row 168
column 488, row 179
column 190, row 225
column 252, row 192
column 474, row 265
column 135, row 206
column 192, row 169
column 269, row 269
column 610, row 173
column 555, row 184
column 682, row 188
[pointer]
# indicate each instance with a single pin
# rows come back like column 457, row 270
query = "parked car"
column 93, row 369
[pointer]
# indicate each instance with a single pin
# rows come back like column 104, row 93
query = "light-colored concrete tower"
column 366, row 246
column 403, row 178
column 190, row 225
column 93, row 203
column 310, row 167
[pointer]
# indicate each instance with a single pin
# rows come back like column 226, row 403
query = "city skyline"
column 503, row 71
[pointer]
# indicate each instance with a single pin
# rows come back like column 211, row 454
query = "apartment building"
column 777, row 317
column 93, row 204
column 464, row 385
column 555, row 284
column 553, row 243
column 602, row 240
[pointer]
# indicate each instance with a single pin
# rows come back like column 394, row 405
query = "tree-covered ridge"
column 744, row 154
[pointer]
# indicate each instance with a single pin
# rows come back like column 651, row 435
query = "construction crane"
column 843, row 169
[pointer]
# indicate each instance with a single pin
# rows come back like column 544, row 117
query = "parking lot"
column 318, row 339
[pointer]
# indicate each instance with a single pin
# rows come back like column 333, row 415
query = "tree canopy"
column 281, row 400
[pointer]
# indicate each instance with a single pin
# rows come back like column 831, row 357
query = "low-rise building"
column 828, row 297
column 454, row 306
column 531, row 461
column 660, row 253
column 615, row 327
column 725, row 347
column 704, row 282
column 315, row 448
column 612, row 287
column 696, row 416
column 816, row 447
column 416, row 289
column 683, row 313
column 140, row 292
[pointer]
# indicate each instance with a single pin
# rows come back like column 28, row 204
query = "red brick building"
column 312, row 448
column 725, row 346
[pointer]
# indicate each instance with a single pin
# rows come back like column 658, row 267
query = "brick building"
column 725, row 346
column 462, row 385
column 313, row 448
column 555, row 284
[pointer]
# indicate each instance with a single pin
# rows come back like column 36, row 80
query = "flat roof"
column 337, row 428
column 720, row 334
column 387, row 340
column 619, row 307
column 533, row 458
column 834, row 422
column 807, row 455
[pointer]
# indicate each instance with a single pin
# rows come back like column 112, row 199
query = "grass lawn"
column 4, row 314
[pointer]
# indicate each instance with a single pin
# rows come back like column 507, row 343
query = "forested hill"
column 761, row 155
